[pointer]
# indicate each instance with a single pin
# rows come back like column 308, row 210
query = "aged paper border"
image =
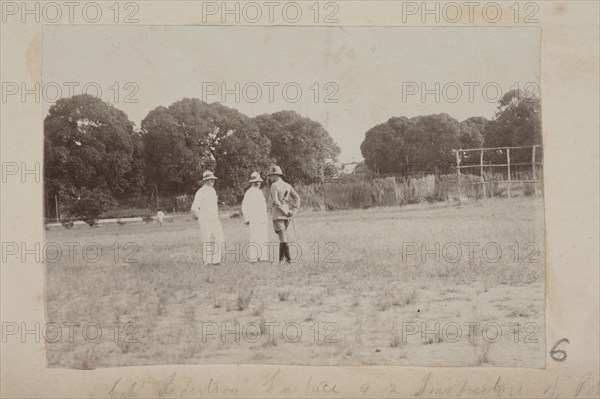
column 569, row 78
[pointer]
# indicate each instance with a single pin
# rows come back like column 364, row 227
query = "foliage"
column 190, row 136
column 471, row 132
column 383, row 147
column 362, row 193
column 299, row 145
column 90, row 144
column 431, row 138
column 91, row 149
column 365, row 193
column 517, row 122
column 137, row 174
column 86, row 205
column 227, row 196
column 238, row 155
column 330, row 170
column 422, row 139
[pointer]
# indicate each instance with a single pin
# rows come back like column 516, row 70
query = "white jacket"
column 205, row 204
column 254, row 207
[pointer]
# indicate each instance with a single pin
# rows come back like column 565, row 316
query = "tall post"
column 156, row 191
column 508, row 168
column 533, row 168
column 46, row 206
column 481, row 172
column 458, row 176
column 56, row 207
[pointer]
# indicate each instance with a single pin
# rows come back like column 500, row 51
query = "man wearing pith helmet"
column 254, row 210
column 286, row 202
column 205, row 207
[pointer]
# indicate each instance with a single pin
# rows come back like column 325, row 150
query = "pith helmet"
column 255, row 177
column 275, row 170
column 208, row 175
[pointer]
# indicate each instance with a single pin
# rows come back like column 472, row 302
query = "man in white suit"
column 254, row 209
column 205, row 207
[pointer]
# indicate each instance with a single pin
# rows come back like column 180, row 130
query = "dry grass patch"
column 243, row 299
column 284, row 294
column 404, row 297
column 169, row 290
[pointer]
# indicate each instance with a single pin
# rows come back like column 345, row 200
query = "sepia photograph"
column 299, row 199
column 299, row 196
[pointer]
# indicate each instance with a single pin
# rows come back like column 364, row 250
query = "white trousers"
column 257, row 248
column 211, row 234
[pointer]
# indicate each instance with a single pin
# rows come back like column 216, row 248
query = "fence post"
column 508, row 167
column 458, row 176
column 56, row 205
column 534, row 171
column 481, row 171
column 156, row 191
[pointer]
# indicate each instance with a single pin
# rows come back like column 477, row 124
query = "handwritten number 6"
column 559, row 355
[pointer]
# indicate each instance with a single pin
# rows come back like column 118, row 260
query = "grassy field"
column 367, row 300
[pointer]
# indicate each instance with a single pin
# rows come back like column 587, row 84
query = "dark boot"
column 288, row 258
column 281, row 252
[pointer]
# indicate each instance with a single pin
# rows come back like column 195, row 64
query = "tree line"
column 430, row 139
column 96, row 158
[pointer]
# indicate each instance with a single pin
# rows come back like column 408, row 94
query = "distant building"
column 348, row 168
column 352, row 169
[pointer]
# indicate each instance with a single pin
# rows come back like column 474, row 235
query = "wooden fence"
column 500, row 158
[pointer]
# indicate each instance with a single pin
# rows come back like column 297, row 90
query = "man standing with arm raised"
column 286, row 202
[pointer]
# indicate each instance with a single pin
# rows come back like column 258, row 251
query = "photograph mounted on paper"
column 293, row 195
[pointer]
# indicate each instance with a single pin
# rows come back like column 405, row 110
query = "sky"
column 349, row 79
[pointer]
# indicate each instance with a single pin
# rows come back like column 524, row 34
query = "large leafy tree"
column 471, row 132
column 301, row 146
column 89, row 145
column 517, row 122
column 239, row 154
column 423, row 139
column 384, row 146
column 173, row 158
column 432, row 138
column 190, row 136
